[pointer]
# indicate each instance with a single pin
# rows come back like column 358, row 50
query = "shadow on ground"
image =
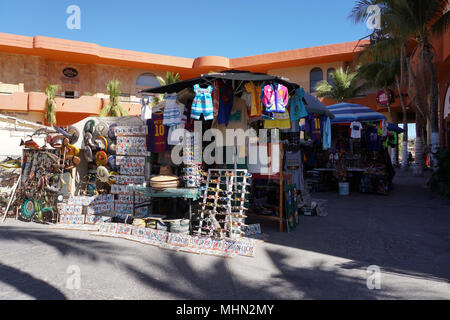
column 407, row 231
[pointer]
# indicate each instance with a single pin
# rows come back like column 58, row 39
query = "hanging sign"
column 384, row 97
column 70, row 72
column 447, row 104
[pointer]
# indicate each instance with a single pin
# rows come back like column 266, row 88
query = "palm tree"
column 113, row 109
column 345, row 86
column 170, row 79
column 50, row 112
column 412, row 23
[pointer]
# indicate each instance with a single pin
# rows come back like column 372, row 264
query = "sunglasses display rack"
column 192, row 172
column 224, row 206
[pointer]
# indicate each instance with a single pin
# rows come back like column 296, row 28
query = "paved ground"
column 406, row 234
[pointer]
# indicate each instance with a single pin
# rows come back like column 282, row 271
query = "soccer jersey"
column 157, row 134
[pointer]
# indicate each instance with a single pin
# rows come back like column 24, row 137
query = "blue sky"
column 233, row 28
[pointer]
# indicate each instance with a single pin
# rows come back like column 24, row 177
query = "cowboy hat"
column 102, row 174
column 112, row 148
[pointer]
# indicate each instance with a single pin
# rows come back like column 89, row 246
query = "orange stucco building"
column 29, row 64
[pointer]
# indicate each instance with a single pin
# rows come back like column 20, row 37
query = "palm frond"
column 50, row 111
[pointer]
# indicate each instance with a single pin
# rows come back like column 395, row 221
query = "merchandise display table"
column 191, row 194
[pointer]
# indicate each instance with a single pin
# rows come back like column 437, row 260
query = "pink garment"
column 275, row 98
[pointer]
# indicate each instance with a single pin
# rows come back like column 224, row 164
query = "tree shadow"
column 94, row 250
column 219, row 281
column 406, row 232
column 28, row 284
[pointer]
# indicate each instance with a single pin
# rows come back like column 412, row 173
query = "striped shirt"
column 202, row 103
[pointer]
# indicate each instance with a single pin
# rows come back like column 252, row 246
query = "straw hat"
column 102, row 174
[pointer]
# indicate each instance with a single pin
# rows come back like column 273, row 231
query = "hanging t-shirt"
column 225, row 102
column 146, row 108
column 373, row 141
column 326, row 136
column 237, row 120
column 355, row 130
column 294, row 167
column 296, row 105
column 314, row 127
column 157, row 134
column 256, row 105
column 172, row 116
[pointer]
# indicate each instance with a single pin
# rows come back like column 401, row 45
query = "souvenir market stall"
column 357, row 158
column 272, row 161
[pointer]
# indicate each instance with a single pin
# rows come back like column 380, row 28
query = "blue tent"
column 349, row 112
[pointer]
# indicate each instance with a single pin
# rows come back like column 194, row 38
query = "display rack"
column 228, row 190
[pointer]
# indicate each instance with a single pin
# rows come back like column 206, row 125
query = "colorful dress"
column 203, row 103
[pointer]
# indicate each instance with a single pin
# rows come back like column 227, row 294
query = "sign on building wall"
column 70, row 72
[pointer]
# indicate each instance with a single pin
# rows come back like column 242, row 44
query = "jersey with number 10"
column 157, row 134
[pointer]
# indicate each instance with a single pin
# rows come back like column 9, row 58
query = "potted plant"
column 341, row 176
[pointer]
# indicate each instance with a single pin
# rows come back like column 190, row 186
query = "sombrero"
column 112, row 148
column 101, row 143
column 101, row 129
column 101, row 158
column 89, row 126
column 72, row 150
column 75, row 134
column 112, row 163
column 88, row 154
column 59, row 142
column 111, row 133
column 102, row 174
column 71, row 162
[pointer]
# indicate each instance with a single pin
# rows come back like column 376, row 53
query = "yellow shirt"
column 256, row 107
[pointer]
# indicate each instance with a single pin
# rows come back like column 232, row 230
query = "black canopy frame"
column 233, row 75
column 312, row 104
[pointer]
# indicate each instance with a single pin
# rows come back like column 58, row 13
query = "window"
column 330, row 79
column 315, row 77
column 147, row 80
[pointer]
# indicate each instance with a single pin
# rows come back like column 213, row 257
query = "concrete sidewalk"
column 406, row 234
